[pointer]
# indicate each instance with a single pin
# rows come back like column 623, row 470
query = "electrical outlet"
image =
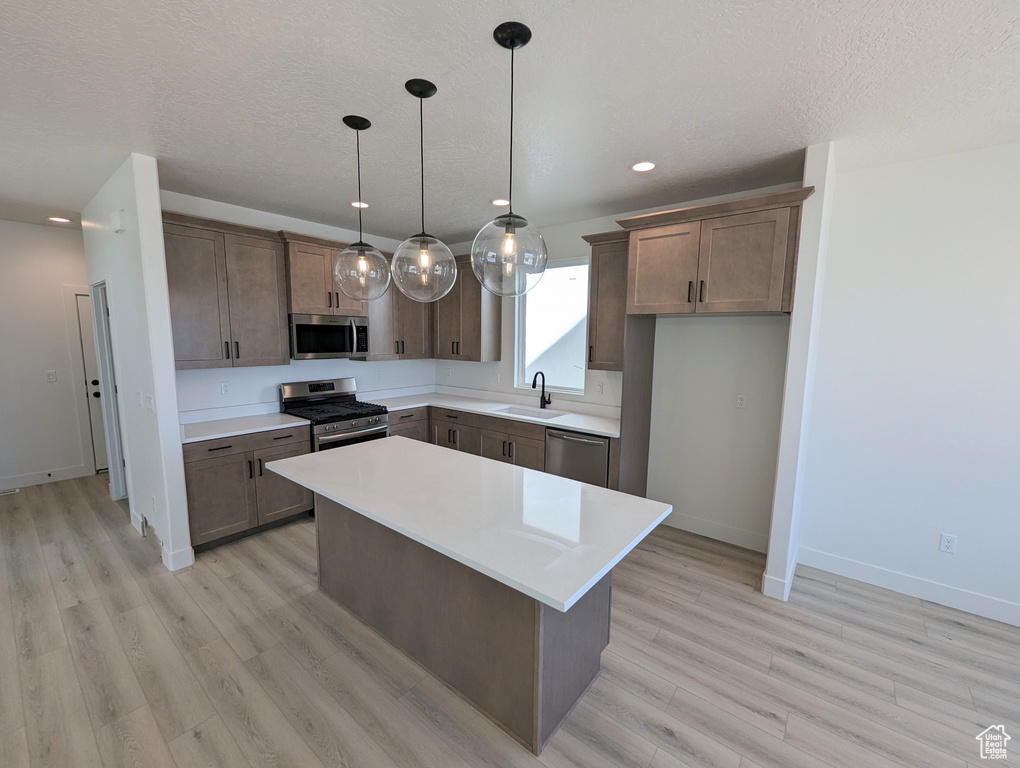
column 947, row 543
column 497, row 378
column 449, row 373
column 600, row 388
column 51, row 376
column 378, row 375
column 741, row 401
column 150, row 404
column 224, row 387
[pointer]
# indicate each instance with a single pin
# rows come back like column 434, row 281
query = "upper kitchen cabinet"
column 607, row 300
column 399, row 328
column 468, row 322
column 311, row 288
column 731, row 257
column 228, row 298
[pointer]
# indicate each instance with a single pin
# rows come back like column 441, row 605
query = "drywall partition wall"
column 816, row 213
column 40, row 434
column 564, row 243
column 712, row 458
column 132, row 265
column 914, row 427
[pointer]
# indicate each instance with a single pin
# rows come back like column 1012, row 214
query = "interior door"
column 92, row 386
column 256, row 291
column 743, row 262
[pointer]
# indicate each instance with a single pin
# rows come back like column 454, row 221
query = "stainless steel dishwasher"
column 577, row 456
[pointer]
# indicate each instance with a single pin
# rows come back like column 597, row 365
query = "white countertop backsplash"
column 546, row 536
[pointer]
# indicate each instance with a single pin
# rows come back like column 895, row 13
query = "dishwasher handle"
column 573, row 438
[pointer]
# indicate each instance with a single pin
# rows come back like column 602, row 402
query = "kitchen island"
column 496, row 578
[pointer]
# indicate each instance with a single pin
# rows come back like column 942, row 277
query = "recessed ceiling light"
column 642, row 166
column 501, row 202
column 60, row 220
column 359, row 204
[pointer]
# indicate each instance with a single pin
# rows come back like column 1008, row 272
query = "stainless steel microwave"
column 314, row 337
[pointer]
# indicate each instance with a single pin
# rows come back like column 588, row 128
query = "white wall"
column 133, row 265
column 40, row 437
column 914, row 427
column 713, row 462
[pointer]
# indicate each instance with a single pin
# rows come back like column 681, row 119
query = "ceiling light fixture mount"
column 500, row 202
column 643, row 166
column 508, row 255
column 359, row 204
column 424, row 268
column 60, row 219
column 361, row 271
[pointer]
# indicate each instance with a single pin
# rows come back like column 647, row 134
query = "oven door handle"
column 349, row 435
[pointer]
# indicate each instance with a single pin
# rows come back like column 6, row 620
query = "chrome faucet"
column 544, row 399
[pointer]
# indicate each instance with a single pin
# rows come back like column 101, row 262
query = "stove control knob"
column 354, row 423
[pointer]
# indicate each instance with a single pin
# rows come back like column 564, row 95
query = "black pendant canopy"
column 512, row 35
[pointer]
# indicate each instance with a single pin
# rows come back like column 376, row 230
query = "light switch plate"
column 51, row 376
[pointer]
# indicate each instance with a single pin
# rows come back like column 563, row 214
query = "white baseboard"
column 38, row 478
column 182, row 558
column 713, row 530
column 777, row 588
column 925, row 589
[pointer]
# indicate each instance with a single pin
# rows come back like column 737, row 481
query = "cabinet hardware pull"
column 407, row 415
column 338, row 299
column 226, row 346
column 451, row 416
column 511, row 450
column 453, row 347
column 237, row 350
column 591, row 352
column 250, row 471
column 701, row 292
column 504, row 447
column 260, row 467
column 449, row 435
column 284, row 437
column 403, row 349
column 221, row 448
column 330, row 295
column 456, row 437
column 690, row 290
column 458, row 347
column 396, row 347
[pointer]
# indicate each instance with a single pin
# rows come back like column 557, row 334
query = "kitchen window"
column 552, row 327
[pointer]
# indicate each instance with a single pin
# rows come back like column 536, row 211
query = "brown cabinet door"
column 662, row 269
column 256, row 291
column 525, row 452
column 310, row 279
column 444, row 433
column 382, row 331
column 276, row 496
column 221, row 496
column 448, row 322
column 743, row 261
column 343, row 304
column 196, row 271
column 414, row 329
column 468, row 439
column 607, row 306
column 416, row 430
column 494, row 445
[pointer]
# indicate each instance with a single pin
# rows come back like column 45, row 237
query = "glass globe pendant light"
column 361, row 271
column 423, row 267
column 509, row 255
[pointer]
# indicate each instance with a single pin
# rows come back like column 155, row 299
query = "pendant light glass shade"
column 423, row 267
column 509, row 256
column 362, row 272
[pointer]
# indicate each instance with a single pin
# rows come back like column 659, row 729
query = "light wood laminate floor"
column 107, row 659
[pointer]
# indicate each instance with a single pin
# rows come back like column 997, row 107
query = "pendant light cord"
column 510, row 193
column 360, row 201
column 421, row 134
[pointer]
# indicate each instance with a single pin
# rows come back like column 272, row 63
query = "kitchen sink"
column 534, row 413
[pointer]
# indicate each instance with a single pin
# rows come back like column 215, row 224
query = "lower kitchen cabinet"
column 519, row 451
column 515, row 442
column 457, row 436
column 412, row 423
column 231, row 491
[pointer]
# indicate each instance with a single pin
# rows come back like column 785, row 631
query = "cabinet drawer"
column 250, row 441
column 455, row 417
column 408, row 415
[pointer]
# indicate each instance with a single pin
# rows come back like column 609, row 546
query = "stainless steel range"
column 338, row 417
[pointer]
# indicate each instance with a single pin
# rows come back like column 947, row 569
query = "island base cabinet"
column 522, row 663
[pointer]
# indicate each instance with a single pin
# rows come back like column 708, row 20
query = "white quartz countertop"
column 546, row 536
column 211, row 430
column 581, row 422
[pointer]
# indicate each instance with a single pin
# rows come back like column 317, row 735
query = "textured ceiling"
column 241, row 101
